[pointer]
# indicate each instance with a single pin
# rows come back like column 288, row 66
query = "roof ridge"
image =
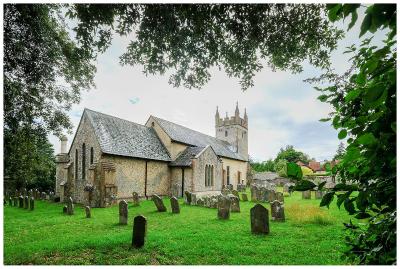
column 189, row 129
column 115, row 117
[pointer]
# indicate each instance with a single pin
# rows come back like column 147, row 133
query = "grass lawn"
column 310, row 235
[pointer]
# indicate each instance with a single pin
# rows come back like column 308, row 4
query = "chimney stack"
column 63, row 140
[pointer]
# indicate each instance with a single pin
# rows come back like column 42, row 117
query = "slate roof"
column 185, row 158
column 191, row 137
column 125, row 138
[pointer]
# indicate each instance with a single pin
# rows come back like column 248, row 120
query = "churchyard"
column 191, row 235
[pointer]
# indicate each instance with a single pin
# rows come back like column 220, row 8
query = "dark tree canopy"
column 190, row 39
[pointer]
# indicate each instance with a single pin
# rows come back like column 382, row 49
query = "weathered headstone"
column 32, row 203
column 88, row 212
column 319, row 194
column 159, row 203
column 224, row 207
column 175, row 205
column 244, row 197
column 123, row 212
column 26, row 202
column 236, row 193
column 193, row 199
column 254, row 192
column 259, row 220
column 135, row 199
column 306, row 194
column 139, row 231
column 188, row 197
column 286, row 187
column 235, row 203
column 225, row 191
column 21, row 201
column 279, row 196
column 271, row 196
column 277, row 211
column 70, row 206
column 65, row 209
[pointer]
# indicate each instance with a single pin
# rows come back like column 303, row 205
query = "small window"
column 152, row 124
column 205, row 175
column 227, row 175
column 226, row 133
column 212, row 175
column 91, row 155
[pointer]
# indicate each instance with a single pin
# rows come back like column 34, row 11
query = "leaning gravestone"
column 319, row 194
column 21, row 201
column 235, row 206
column 88, row 212
column 32, row 203
column 279, row 196
column 175, row 205
column 277, row 211
column 188, row 197
column 259, row 220
column 123, row 212
column 70, row 206
column 254, row 190
column 26, row 202
column 139, row 231
column 224, row 206
column 306, row 194
column 159, row 203
column 135, row 199
column 244, row 197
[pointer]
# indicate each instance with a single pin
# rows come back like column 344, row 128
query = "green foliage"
column 340, row 151
column 191, row 39
column 268, row 165
column 44, row 72
column 294, row 171
column 280, row 167
column 306, row 171
column 365, row 102
column 291, row 155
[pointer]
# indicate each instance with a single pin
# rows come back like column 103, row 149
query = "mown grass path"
column 195, row 236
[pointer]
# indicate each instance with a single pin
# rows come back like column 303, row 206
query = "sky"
column 282, row 109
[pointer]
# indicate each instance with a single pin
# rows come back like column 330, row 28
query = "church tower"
column 234, row 131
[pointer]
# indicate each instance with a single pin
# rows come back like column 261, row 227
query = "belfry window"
column 91, row 155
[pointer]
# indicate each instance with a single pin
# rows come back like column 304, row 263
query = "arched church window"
column 212, row 176
column 76, row 163
column 205, row 175
column 209, row 175
column 91, row 155
column 83, row 161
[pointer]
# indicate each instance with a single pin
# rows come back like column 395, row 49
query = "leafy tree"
column 268, row 165
column 306, row 171
column 340, row 151
column 44, row 72
column 188, row 40
column 281, row 167
column 364, row 99
column 291, row 155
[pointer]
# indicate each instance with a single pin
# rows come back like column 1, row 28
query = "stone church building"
column 110, row 158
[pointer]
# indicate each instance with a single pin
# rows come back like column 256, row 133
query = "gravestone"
column 123, row 212
column 236, row 193
column 188, row 197
column 224, row 206
column 139, row 231
column 175, row 205
column 43, row 195
column 135, row 199
column 286, row 187
column 70, row 206
column 259, row 220
column 21, row 201
column 32, row 203
column 159, row 203
column 277, row 211
column 253, row 191
column 306, row 194
column 15, row 201
column 235, row 206
column 88, row 212
column 225, row 191
column 271, row 196
column 279, row 197
column 244, row 197
column 10, row 201
column 26, row 202
column 193, row 199
column 65, row 209
column 319, row 194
